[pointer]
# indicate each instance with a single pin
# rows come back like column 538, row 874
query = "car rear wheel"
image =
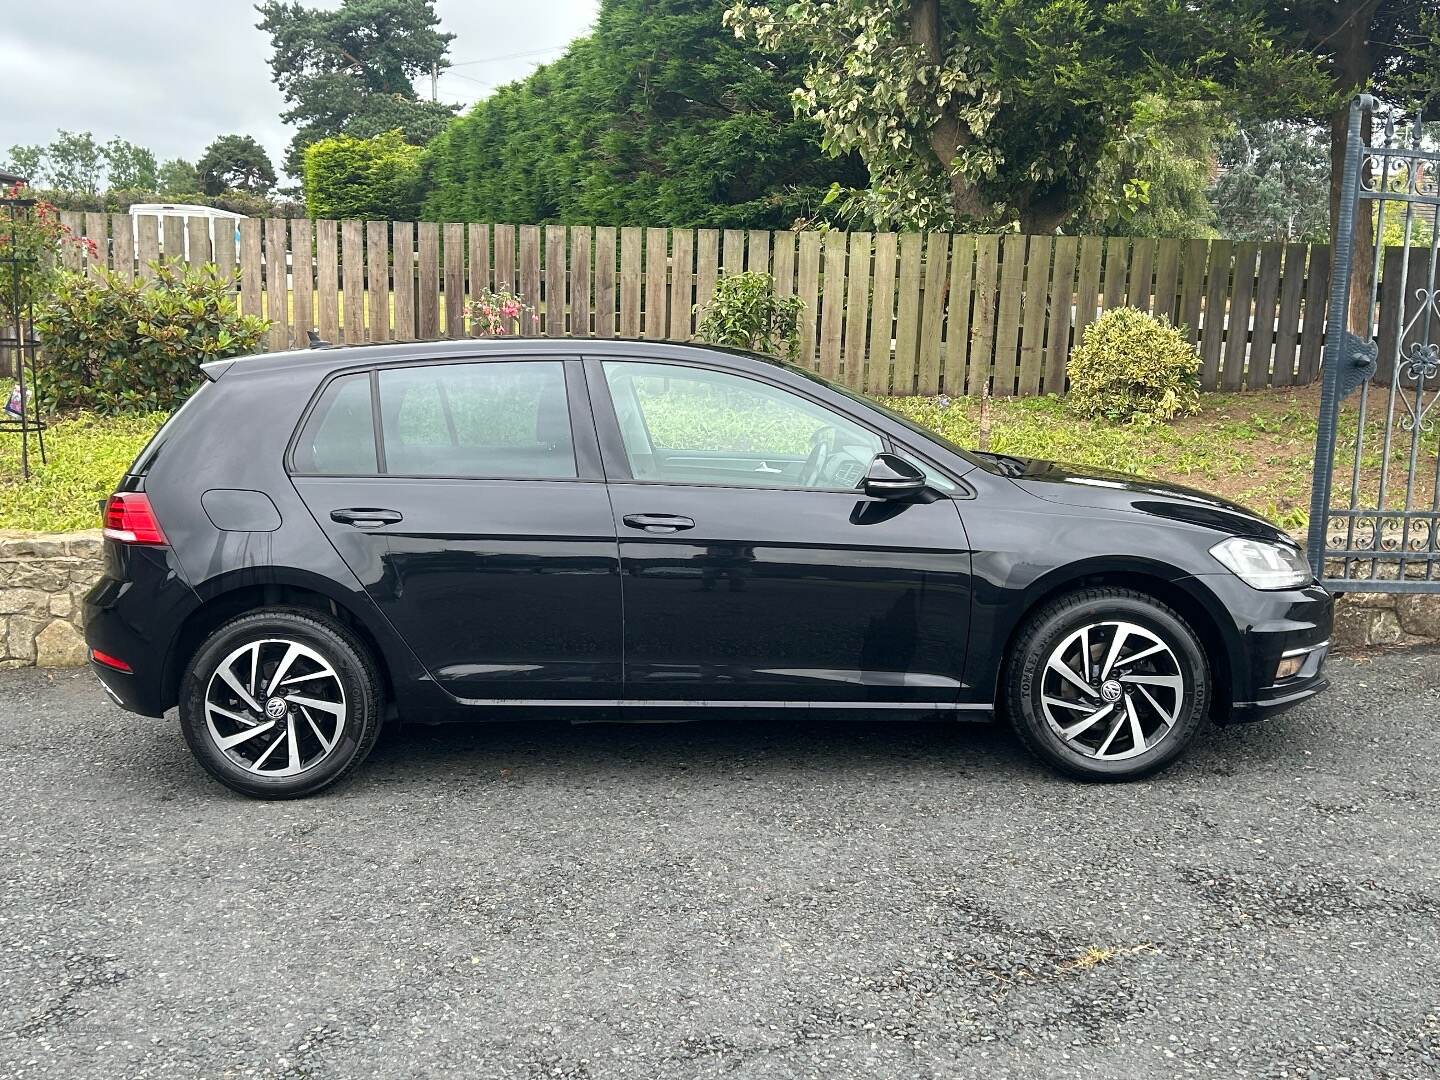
column 1107, row 684
column 280, row 703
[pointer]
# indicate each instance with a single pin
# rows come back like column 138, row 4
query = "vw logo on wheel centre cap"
column 1111, row 690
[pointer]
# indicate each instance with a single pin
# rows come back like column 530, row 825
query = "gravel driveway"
column 765, row 898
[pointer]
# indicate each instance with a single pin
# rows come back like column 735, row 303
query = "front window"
column 684, row 425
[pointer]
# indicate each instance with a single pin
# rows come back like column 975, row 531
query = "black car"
column 320, row 541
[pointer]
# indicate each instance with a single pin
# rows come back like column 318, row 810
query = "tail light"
column 130, row 520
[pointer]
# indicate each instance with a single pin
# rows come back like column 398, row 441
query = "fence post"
column 1335, row 325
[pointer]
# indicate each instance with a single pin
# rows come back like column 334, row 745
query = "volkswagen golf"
column 321, row 542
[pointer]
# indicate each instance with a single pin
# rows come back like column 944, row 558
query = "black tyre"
column 280, row 703
column 1107, row 684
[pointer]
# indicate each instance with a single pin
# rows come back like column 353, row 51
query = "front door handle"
column 659, row 523
column 366, row 517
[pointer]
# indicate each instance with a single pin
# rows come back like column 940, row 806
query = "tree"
column 1387, row 47
column 74, row 163
column 235, row 163
column 27, row 161
column 987, row 111
column 346, row 177
column 1274, row 183
column 177, row 177
column 1154, row 178
column 659, row 117
column 130, row 166
column 352, row 70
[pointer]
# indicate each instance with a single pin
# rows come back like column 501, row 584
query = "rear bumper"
column 131, row 694
column 133, row 613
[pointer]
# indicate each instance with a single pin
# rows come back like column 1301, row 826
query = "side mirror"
column 892, row 477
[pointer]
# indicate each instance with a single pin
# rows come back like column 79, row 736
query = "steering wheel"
column 813, row 471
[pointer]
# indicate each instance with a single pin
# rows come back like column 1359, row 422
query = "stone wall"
column 1387, row 619
column 43, row 577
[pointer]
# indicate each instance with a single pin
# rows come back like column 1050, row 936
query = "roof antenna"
column 315, row 340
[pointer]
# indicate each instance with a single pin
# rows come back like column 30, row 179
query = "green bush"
column 135, row 346
column 745, row 313
column 374, row 179
column 1134, row 367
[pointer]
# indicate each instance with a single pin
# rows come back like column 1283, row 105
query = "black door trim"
column 738, row 703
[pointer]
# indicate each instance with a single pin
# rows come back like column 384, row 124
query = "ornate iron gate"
column 1375, row 505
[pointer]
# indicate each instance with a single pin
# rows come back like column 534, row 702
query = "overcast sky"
column 173, row 74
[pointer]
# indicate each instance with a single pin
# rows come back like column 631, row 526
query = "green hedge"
column 370, row 179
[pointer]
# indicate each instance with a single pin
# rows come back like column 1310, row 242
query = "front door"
column 753, row 569
column 477, row 521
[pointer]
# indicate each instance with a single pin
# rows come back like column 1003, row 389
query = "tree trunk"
column 949, row 134
column 1041, row 220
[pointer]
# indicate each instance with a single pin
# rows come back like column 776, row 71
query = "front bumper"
column 1281, row 695
column 1271, row 627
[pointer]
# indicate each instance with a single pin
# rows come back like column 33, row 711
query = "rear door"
column 468, row 499
column 754, row 571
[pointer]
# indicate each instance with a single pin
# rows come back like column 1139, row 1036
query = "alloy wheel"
column 275, row 707
column 1112, row 690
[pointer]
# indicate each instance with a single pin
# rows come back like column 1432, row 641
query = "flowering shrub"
column 500, row 314
column 31, row 258
column 136, row 346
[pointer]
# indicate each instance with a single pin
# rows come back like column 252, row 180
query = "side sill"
column 644, row 703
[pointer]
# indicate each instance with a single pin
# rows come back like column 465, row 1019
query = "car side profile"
column 320, row 542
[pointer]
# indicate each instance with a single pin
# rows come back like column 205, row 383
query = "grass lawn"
column 1256, row 448
column 87, row 454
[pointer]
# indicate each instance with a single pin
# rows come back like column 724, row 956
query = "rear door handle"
column 659, row 523
column 366, row 517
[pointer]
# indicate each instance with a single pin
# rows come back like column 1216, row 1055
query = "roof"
column 183, row 210
column 9, row 178
column 359, row 355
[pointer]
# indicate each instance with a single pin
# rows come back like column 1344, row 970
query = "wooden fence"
column 885, row 313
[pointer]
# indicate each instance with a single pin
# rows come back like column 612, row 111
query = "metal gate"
column 1375, row 505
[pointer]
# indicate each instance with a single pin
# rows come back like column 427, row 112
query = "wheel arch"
column 236, row 593
column 1187, row 595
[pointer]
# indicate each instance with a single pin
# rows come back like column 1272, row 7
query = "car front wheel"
column 1107, row 684
column 280, row 703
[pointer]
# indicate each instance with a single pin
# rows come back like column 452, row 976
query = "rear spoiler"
column 215, row 368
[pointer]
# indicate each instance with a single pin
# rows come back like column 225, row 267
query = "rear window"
column 503, row 419
column 339, row 437
column 145, row 460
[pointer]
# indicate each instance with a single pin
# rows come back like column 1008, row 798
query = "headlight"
column 1261, row 564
